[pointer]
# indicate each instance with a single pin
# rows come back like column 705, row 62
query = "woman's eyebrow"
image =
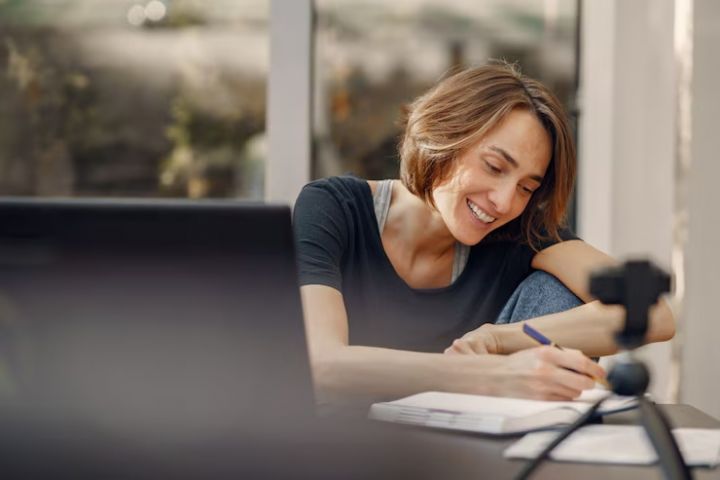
column 508, row 158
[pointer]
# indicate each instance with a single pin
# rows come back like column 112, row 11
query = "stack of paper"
column 625, row 444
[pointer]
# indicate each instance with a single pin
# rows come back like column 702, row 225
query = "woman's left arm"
column 572, row 262
column 590, row 327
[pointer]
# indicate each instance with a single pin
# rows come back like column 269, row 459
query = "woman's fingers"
column 552, row 374
column 477, row 346
column 575, row 360
column 571, row 369
column 463, row 346
column 572, row 383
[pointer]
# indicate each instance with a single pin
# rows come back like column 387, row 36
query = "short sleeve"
column 321, row 235
column 565, row 234
column 524, row 253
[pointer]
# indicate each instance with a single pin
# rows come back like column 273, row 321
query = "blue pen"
column 538, row 337
column 542, row 339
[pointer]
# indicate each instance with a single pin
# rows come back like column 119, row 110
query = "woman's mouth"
column 479, row 213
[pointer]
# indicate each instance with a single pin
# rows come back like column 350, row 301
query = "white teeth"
column 479, row 213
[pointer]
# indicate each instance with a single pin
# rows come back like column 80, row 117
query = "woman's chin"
column 470, row 238
column 475, row 232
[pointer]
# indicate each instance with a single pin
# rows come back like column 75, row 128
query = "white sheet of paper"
column 624, row 444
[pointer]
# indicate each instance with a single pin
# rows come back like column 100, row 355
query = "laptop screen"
column 154, row 319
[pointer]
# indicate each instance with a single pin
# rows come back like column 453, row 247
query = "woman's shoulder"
column 342, row 204
column 342, row 186
column 516, row 251
column 342, row 195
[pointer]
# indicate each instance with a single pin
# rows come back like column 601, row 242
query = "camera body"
column 636, row 285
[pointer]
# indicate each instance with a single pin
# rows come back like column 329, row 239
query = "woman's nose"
column 502, row 197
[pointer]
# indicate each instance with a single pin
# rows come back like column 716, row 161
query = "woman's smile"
column 479, row 213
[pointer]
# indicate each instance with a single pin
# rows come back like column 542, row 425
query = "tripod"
column 636, row 285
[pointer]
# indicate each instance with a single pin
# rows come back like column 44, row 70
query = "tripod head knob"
column 629, row 376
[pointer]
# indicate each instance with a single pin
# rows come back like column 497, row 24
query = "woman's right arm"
column 345, row 373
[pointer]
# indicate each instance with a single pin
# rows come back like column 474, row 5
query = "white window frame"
column 289, row 100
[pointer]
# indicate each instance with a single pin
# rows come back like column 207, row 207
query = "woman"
column 395, row 273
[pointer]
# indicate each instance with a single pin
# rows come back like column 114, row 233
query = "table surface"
column 326, row 450
column 486, row 452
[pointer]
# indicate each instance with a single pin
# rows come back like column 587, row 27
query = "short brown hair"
column 462, row 108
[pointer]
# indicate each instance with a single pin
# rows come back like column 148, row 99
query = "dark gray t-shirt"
column 339, row 245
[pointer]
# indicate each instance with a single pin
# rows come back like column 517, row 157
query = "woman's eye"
column 526, row 190
column 493, row 168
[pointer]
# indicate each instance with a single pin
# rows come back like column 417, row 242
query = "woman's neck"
column 416, row 226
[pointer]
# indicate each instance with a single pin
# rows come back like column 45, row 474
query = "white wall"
column 627, row 170
column 627, row 135
column 700, row 385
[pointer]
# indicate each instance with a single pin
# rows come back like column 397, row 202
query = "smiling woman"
column 395, row 273
column 495, row 114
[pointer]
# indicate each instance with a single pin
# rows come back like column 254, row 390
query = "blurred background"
column 168, row 98
column 250, row 99
column 127, row 98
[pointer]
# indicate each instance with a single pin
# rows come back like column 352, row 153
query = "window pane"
column 372, row 57
column 150, row 98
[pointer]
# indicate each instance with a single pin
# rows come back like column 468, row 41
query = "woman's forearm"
column 358, row 373
column 591, row 328
column 352, row 374
column 345, row 373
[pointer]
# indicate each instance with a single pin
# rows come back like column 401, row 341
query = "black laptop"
column 165, row 339
column 162, row 319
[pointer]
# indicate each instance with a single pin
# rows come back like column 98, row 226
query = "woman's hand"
column 546, row 373
column 479, row 341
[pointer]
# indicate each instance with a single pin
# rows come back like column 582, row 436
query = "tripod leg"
column 535, row 462
column 659, row 431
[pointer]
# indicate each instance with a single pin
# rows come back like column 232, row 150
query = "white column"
column 595, row 142
column 289, row 100
column 627, row 129
column 700, row 385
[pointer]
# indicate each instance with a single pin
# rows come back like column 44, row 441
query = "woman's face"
column 493, row 180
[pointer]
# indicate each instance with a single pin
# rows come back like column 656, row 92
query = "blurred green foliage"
column 107, row 109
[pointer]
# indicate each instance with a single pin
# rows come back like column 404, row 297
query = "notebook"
column 599, row 444
column 492, row 415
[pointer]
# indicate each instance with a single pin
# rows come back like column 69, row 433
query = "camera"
column 637, row 285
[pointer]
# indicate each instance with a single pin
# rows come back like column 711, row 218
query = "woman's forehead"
column 521, row 139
